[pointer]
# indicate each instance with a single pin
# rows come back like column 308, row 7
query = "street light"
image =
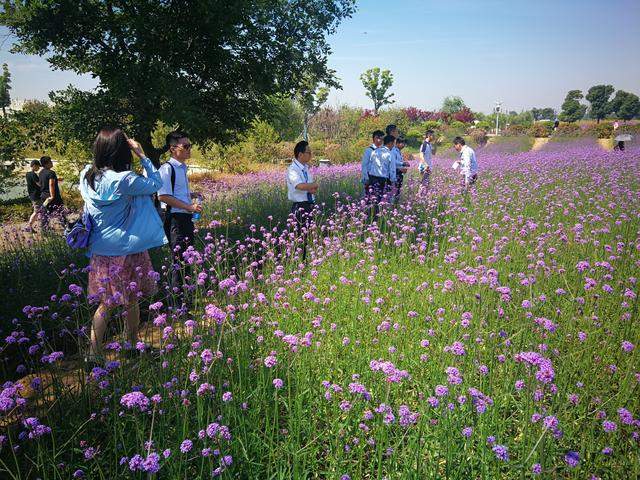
column 498, row 105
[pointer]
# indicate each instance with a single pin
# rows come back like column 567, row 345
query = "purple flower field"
column 492, row 334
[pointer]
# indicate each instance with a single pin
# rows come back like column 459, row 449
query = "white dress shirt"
column 298, row 173
column 366, row 157
column 468, row 162
column 382, row 164
column 181, row 191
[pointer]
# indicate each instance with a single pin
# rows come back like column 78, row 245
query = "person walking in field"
column 301, row 191
column 34, row 192
column 468, row 164
column 426, row 162
column 52, row 204
column 376, row 142
column 382, row 172
column 125, row 225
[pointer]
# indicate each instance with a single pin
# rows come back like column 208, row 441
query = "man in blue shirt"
column 376, row 137
column 176, row 200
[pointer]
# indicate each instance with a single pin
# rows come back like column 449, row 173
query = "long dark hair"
column 110, row 152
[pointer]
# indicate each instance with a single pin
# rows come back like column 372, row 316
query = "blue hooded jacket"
column 125, row 221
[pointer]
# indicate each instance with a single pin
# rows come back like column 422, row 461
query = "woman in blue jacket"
column 125, row 225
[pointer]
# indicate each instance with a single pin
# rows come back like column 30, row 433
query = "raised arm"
column 134, row 184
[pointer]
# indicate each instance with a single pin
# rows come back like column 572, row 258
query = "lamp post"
column 498, row 105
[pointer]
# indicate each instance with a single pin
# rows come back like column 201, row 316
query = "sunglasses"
column 185, row 146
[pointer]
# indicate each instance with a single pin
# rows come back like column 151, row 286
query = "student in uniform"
column 178, row 203
column 400, row 165
column 382, row 172
column 426, row 163
column 33, row 189
column 467, row 163
column 376, row 137
column 301, row 190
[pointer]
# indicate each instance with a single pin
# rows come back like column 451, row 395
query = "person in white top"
column 376, row 139
column 301, row 190
column 467, row 163
column 426, row 163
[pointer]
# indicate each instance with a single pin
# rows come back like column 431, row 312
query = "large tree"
column 452, row 104
column 598, row 97
column 207, row 66
column 572, row 109
column 377, row 82
column 5, row 86
column 626, row 105
column 546, row 113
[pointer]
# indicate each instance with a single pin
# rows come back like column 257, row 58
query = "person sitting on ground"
column 376, row 138
column 125, row 225
column 467, row 163
column 33, row 189
column 52, row 204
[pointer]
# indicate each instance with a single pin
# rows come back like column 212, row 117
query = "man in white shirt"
column 301, row 190
column 382, row 172
column 426, row 163
column 467, row 163
column 376, row 137
column 177, row 204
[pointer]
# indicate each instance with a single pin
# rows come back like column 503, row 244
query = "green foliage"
column 205, row 66
column 541, row 129
column 547, row 113
column 12, row 145
column 572, row 109
column 376, row 84
column 452, row 104
column 479, row 136
column 5, row 87
column 260, row 142
column 568, row 129
column 74, row 156
column 286, row 117
column 38, row 122
column 626, row 105
column 598, row 96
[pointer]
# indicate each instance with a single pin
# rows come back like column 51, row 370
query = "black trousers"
column 399, row 181
column 378, row 188
column 181, row 234
column 303, row 214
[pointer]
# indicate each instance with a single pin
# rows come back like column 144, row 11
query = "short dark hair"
column 458, row 141
column 35, row 163
column 388, row 139
column 173, row 138
column 377, row 133
column 45, row 160
column 401, row 139
column 390, row 128
column 300, row 148
column 428, row 133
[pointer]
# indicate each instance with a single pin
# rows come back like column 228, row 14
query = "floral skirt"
column 121, row 280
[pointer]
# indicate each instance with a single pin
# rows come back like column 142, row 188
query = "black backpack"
column 165, row 214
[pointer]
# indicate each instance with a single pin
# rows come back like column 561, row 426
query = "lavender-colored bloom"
column 227, row 397
column 135, row 400
column 572, row 459
column 467, row 432
column 609, row 426
column 278, row 383
column 501, row 452
column 186, row 446
column 536, row 469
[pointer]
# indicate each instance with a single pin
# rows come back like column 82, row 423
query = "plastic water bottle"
column 196, row 215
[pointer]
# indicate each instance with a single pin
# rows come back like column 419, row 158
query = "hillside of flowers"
column 493, row 334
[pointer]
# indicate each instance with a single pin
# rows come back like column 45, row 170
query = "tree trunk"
column 152, row 152
column 4, row 112
column 305, row 127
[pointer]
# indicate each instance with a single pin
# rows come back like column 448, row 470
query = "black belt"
column 306, row 202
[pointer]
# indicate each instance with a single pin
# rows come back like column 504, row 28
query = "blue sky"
column 524, row 53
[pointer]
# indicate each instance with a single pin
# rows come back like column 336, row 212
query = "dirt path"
column 539, row 142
